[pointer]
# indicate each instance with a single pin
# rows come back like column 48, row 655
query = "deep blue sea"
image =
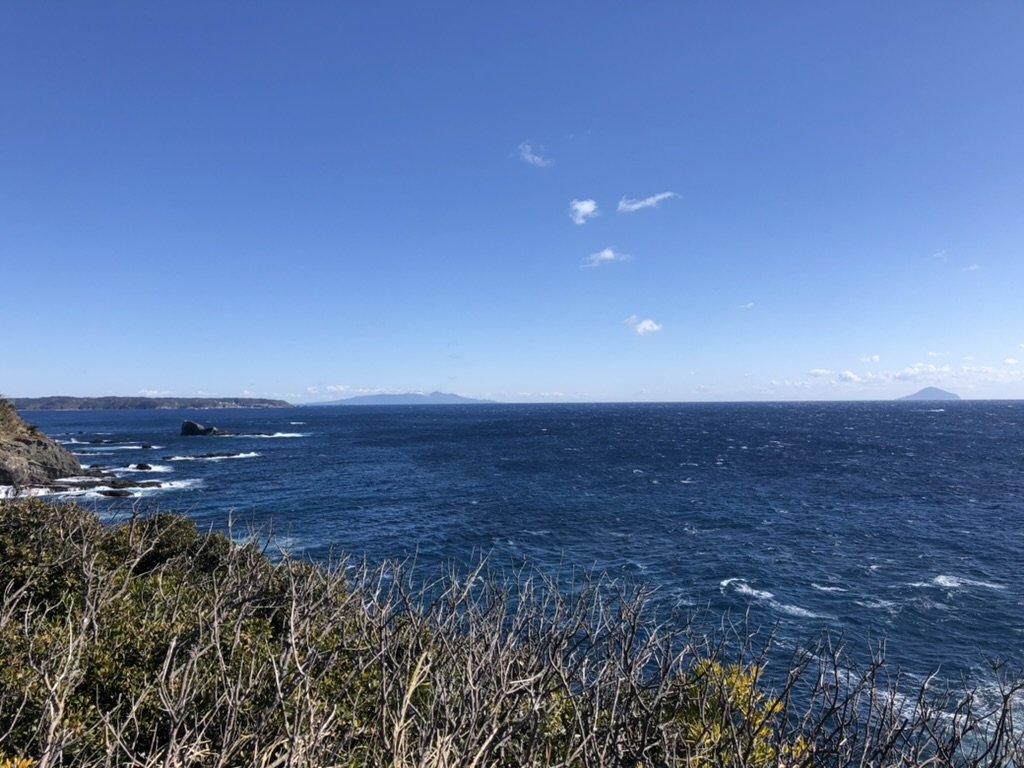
column 901, row 522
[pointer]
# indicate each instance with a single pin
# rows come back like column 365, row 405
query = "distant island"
column 64, row 403
column 412, row 398
column 931, row 393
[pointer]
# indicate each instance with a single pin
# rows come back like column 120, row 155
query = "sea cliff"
column 28, row 457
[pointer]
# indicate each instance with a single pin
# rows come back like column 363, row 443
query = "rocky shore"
column 28, row 457
column 33, row 464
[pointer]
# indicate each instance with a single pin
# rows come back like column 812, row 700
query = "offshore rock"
column 27, row 456
column 194, row 429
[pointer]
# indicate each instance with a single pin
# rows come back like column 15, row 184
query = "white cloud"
column 972, row 268
column 627, row 205
column 606, row 256
column 529, row 156
column 849, row 376
column 748, row 305
column 871, row 359
column 919, row 371
column 1011, row 361
column 937, row 354
column 643, row 327
column 819, row 372
column 154, row 393
column 581, row 210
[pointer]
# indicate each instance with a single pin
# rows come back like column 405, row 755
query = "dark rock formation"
column 143, row 467
column 193, row 429
column 27, row 456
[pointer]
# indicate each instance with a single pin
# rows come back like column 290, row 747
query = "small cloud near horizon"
column 605, row 256
column 643, row 327
column 849, row 376
column 1011, row 361
column 532, row 158
column 870, row 359
column 626, row 205
column 581, row 210
column 819, row 372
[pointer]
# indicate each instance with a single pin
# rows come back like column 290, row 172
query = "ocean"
column 895, row 522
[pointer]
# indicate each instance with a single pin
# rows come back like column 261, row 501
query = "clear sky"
column 527, row 201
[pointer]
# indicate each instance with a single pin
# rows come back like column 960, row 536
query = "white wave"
column 821, row 588
column 96, row 492
column 956, row 582
column 275, row 435
column 795, row 610
column 152, row 468
column 296, row 423
column 884, row 605
column 944, row 581
column 743, row 588
column 117, row 447
column 9, row 492
column 171, row 485
column 249, row 455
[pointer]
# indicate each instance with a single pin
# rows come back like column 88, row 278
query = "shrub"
column 153, row 643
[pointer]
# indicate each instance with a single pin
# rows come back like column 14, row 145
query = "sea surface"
column 901, row 522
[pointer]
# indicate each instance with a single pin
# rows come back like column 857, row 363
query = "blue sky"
column 521, row 201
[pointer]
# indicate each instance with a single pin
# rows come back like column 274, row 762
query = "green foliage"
column 153, row 643
column 725, row 719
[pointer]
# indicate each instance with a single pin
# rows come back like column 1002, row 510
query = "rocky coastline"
column 66, row 403
column 28, row 457
column 32, row 464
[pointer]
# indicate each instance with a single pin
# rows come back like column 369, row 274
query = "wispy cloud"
column 581, row 210
column 937, row 354
column 870, row 359
column 819, row 372
column 529, row 156
column 627, row 205
column 643, row 327
column 972, row 268
column 605, row 256
column 849, row 376
column 1011, row 361
column 920, row 371
column 748, row 305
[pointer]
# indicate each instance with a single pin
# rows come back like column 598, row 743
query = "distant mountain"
column 64, row 403
column 412, row 398
column 931, row 393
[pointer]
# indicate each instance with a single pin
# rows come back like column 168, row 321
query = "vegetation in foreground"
column 149, row 643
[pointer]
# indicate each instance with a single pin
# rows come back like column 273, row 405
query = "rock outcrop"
column 27, row 456
column 194, row 429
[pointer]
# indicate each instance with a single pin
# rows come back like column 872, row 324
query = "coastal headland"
column 68, row 403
